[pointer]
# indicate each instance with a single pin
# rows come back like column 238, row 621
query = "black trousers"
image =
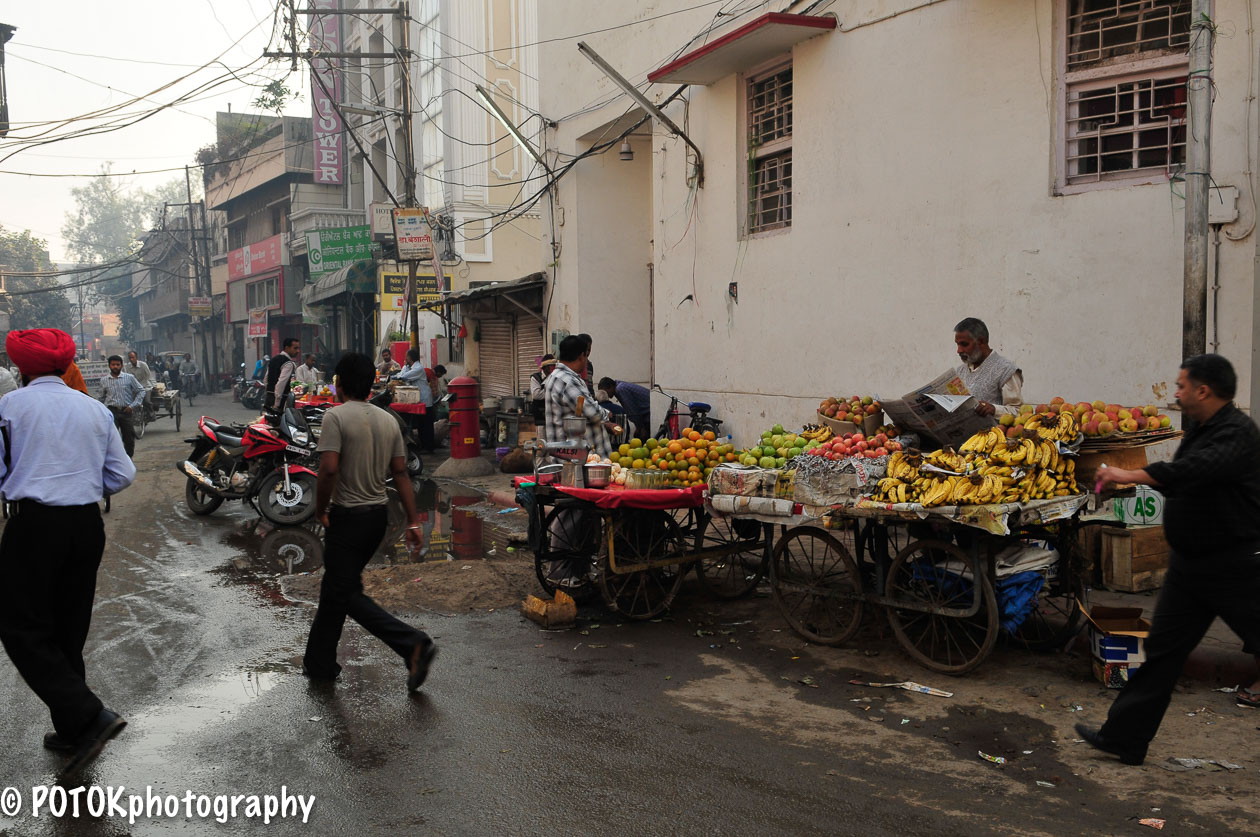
column 1191, row 599
column 48, row 561
column 428, row 443
column 351, row 538
column 126, row 429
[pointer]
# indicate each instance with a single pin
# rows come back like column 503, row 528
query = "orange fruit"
column 638, row 463
column 708, row 434
column 701, row 444
column 675, row 447
column 691, row 460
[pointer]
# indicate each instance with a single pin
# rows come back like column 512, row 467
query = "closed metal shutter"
column 498, row 366
column 529, row 348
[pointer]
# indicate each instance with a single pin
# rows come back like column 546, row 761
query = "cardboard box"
column 1134, row 558
column 870, row 424
column 1087, row 463
column 1145, row 508
column 1116, row 642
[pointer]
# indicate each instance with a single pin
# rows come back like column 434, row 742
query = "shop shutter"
column 529, row 348
column 498, row 367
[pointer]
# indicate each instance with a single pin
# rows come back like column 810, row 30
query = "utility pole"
column 409, row 161
column 1198, row 179
column 196, row 266
column 205, row 267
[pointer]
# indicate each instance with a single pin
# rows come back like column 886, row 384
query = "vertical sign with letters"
column 325, row 89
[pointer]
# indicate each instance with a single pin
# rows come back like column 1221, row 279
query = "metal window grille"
column 1102, row 30
column 770, row 151
column 1126, row 128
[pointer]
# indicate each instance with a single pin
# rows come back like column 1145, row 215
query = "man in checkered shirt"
column 563, row 388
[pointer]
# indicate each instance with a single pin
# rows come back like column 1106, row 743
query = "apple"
column 1164, row 421
column 1124, row 415
column 1013, row 431
column 881, row 451
column 1150, row 410
column 1152, row 422
column 872, row 409
column 1106, row 428
column 1057, row 400
column 1025, row 408
column 1090, row 428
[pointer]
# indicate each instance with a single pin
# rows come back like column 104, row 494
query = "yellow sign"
column 394, row 289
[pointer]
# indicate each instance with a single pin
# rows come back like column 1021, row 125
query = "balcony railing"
column 320, row 218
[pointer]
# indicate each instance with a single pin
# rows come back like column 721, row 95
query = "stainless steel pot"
column 511, row 404
column 574, row 427
column 598, row 475
column 573, row 475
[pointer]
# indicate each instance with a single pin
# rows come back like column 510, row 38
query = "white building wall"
column 923, row 158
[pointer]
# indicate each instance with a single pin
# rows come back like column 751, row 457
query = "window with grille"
column 1124, row 110
column 770, row 150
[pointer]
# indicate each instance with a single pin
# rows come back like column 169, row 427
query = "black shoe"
column 418, row 668
column 90, row 744
column 54, row 742
column 320, row 676
column 1094, row 738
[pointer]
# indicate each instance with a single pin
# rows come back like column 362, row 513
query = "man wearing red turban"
column 61, row 454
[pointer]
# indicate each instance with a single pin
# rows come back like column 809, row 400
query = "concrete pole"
column 1198, row 179
column 409, row 158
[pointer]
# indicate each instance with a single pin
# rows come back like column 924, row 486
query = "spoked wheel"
column 1056, row 618
column 817, row 586
column 568, row 545
column 641, row 537
column 943, row 583
column 747, row 558
column 137, row 422
column 178, row 411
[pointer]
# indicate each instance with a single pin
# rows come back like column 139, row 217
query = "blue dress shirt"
column 63, row 447
column 123, row 391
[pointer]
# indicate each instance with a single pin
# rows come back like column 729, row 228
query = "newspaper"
column 944, row 410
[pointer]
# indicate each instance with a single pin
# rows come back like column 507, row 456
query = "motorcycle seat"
column 228, row 435
column 699, row 406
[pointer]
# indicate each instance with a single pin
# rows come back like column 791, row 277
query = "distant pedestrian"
column 1212, row 522
column 123, row 395
column 61, row 454
column 260, row 368
column 538, row 390
column 307, row 374
column 637, row 401
column 359, row 445
column 279, row 373
column 7, row 382
column 387, row 366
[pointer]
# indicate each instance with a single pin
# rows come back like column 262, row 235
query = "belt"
column 26, row 506
column 356, row 510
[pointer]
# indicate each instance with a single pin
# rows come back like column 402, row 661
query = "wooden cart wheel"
column 642, row 536
column 817, row 586
column 1056, row 618
column 569, row 542
column 739, row 572
column 929, row 574
column 177, row 413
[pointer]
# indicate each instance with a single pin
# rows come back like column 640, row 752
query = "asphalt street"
column 697, row 724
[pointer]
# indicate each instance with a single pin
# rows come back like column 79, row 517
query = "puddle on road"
column 262, row 553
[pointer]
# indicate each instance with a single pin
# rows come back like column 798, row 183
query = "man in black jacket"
column 1212, row 522
column 291, row 349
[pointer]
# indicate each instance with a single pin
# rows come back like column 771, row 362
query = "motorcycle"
column 252, row 395
column 415, row 465
column 271, row 466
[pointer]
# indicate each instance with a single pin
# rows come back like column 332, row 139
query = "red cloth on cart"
column 408, row 409
column 617, row 497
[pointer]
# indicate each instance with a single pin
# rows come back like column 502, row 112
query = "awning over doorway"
column 357, row 278
column 741, row 49
column 520, row 296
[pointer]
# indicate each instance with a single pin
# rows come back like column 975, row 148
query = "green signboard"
column 329, row 250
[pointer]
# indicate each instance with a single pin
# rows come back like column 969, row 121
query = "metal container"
column 598, row 475
column 573, row 474
column 490, row 404
column 547, row 474
column 574, row 427
column 511, row 404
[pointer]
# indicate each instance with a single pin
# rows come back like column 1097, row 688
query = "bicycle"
column 697, row 412
column 188, row 386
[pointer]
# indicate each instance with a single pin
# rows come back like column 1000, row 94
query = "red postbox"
column 465, row 529
column 465, row 407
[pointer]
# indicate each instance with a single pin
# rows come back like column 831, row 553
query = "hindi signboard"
column 325, row 37
column 394, row 289
column 92, row 372
column 257, row 257
column 413, row 234
column 257, row 322
column 329, row 250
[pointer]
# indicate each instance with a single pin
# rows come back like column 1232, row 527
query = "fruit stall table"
column 632, row 547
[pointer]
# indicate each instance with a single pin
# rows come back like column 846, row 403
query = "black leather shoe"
column 90, row 744
column 418, row 668
column 54, row 742
column 1095, row 739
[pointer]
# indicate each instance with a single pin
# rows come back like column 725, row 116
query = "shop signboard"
column 325, row 37
column 382, row 221
column 329, row 250
column 255, row 258
column 394, row 289
column 413, row 234
column 257, row 322
column 199, row 306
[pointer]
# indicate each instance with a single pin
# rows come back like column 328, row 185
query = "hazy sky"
column 175, row 37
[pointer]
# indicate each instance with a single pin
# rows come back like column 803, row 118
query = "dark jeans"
column 126, row 429
column 48, row 561
column 352, row 536
column 428, row 443
column 1189, row 602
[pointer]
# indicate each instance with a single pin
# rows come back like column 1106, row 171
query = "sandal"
column 1247, row 697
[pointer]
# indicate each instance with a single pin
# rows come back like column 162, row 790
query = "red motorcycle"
column 270, row 466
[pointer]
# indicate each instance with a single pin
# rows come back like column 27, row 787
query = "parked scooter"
column 271, row 466
column 252, row 395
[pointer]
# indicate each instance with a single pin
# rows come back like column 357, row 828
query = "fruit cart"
column 162, row 402
column 632, row 547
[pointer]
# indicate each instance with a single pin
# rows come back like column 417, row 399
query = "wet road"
column 610, row 729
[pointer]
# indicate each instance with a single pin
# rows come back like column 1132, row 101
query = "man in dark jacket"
column 1212, row 521
column 276, row 368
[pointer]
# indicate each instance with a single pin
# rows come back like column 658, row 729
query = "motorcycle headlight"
column 301, row 437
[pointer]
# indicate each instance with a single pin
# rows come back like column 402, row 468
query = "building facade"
column 870, row 173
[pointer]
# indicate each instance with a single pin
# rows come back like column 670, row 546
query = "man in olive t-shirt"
column 359, row 444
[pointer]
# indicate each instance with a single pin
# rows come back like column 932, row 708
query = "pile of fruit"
column 852, row 409
column 688, row 460
column 778, row 447
column 1056, row 426
column 857, row 446
column 989, row 469
column 1097, row 418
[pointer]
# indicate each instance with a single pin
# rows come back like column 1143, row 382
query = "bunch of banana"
column 938, row 490
column 947, row 458
column 1015, row 452
column 816, row 432
column 893, row 490
column 904, row 466
column 1061, row 427
column 984, row 442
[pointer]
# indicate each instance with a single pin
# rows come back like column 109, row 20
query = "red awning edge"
column 754, row 42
